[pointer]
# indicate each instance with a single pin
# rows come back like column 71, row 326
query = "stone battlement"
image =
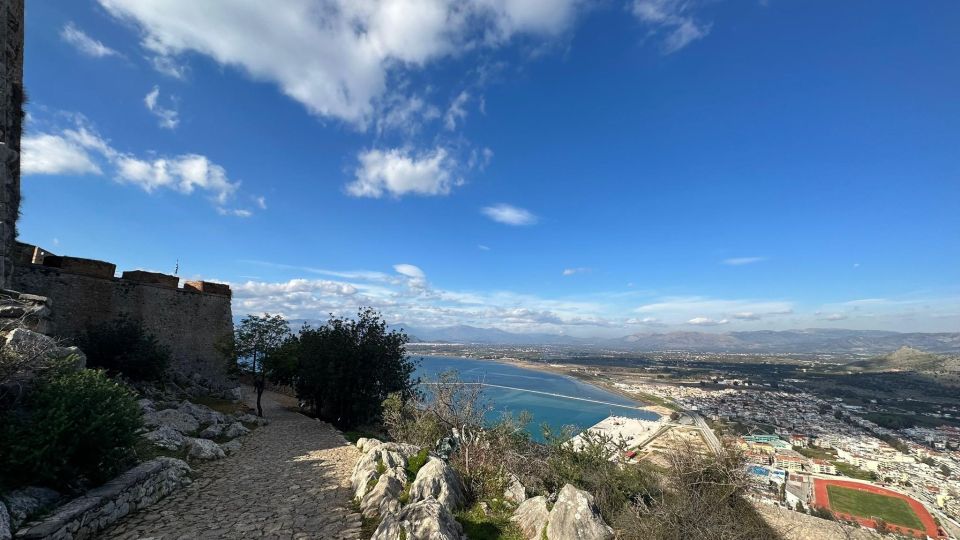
column 190, row 320
column 27, row 255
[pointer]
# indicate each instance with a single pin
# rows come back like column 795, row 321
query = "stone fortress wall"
column 189, row 319
column 11, row 123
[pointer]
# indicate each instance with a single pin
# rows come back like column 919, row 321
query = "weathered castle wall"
column 11, row 123
column 84, row 293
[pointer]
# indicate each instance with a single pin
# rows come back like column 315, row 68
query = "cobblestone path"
column 289, row 480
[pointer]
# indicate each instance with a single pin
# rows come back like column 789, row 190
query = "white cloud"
column 746, row 316
column 671, row 20
column 648, row 321
column 678, row 309
column 482, row 247
column 48, row 153
column 334, row 57
column 169, row 66
column 261, row 202
column 509, row 215
column 457, row 111
column 400, row 172
column 169, row 118
column 84, row 43
column 81, row 150
column 572, row 271
column 834, row 317
column 741, row 261
column 706, row 321
column 410, row 271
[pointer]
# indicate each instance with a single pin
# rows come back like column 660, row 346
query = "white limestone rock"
column 404, row 449
column 212, row 431
column 21, row 340
column 423, row 520
column 532, row 516
column 166, row 437
column 235, row 430
column 575, row 517
column 383, row 499
column 365, row 445
column 437, row 480
column 23, row 503
column 5, row 533
column 203, row 449
column 173, row 418
column 252, row 419
column 203, row 414
column 514, row 492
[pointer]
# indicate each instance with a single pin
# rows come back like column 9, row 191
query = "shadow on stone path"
column 290, row 480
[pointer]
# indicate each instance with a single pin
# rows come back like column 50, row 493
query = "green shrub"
column 76, row 425
column 125, row 347
column 416, row 462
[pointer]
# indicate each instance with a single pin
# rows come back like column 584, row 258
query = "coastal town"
column 793, row 440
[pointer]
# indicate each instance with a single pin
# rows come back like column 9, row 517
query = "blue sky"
column 590, row 168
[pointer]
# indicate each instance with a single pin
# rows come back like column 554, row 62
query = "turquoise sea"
column 555, row 411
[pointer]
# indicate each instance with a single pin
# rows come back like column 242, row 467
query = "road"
column 708, row 435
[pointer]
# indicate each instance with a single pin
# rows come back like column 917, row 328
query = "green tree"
column 347, row 368
column 256, row 343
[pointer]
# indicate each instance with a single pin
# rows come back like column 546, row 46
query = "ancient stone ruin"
column 190, row 319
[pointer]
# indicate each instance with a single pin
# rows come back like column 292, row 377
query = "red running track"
column 822, row 499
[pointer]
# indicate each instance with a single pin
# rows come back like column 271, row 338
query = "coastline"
column 568, row 371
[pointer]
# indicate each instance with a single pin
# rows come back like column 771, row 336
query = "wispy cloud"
column 741, row 261
column 509, row 214
column 169, row 117
column 84, row 43
column 672, row 20
column 706, row 321
column 80, row 149
column 572, row 271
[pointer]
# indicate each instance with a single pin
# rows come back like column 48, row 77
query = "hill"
column 909, row 359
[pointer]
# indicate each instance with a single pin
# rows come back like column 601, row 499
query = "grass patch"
column 492, row 525
column 864, row 504
column 816, row 453
column 852, row 471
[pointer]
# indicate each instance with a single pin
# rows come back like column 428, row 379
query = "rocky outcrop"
column 383, row 499
column 575, row 517
column 212, row 431
column 23, row 503
column 378, row 457
column 423, row 520
column 137, row 488
column 532, row 516
column 166, row 437
column 203, row 449
column 172, row 418
column 5, row 533
column 437, row 480
column 231, row 447
column 235, row 430
column 365, row 445
column 514, row 492
column 202, row 413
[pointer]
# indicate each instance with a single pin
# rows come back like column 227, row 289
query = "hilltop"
column 909, row 359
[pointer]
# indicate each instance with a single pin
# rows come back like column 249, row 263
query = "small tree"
column 256, row 341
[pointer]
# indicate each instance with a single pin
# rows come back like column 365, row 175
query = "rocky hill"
column 909, row 359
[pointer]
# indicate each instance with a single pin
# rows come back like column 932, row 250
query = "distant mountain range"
column 815, row 340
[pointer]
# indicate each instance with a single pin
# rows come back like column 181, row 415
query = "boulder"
column 400, row 473
column 166, row 437
column 514, row 492
column 231, row 447
column 360, row 482
column 575, row 517
column 146, row 405
column 212, row 431
column 23, row 341
column 383, row 499
column 203, row 414
column 173, row 418
column 437, row 480
column 423, row 520
column 23, row 503
column 5, row 524
column 404, row 449
column 252, row 419
column 203, row 449
column 235, row 430
column 365, row 445
column 235, row 394
column 77, row 359
column 532, row 516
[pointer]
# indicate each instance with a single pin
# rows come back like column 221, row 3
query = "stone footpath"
column 290, row 480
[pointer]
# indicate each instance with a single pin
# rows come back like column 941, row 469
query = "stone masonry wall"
column 137, row 488
column 83, row 293
column 11, row 123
